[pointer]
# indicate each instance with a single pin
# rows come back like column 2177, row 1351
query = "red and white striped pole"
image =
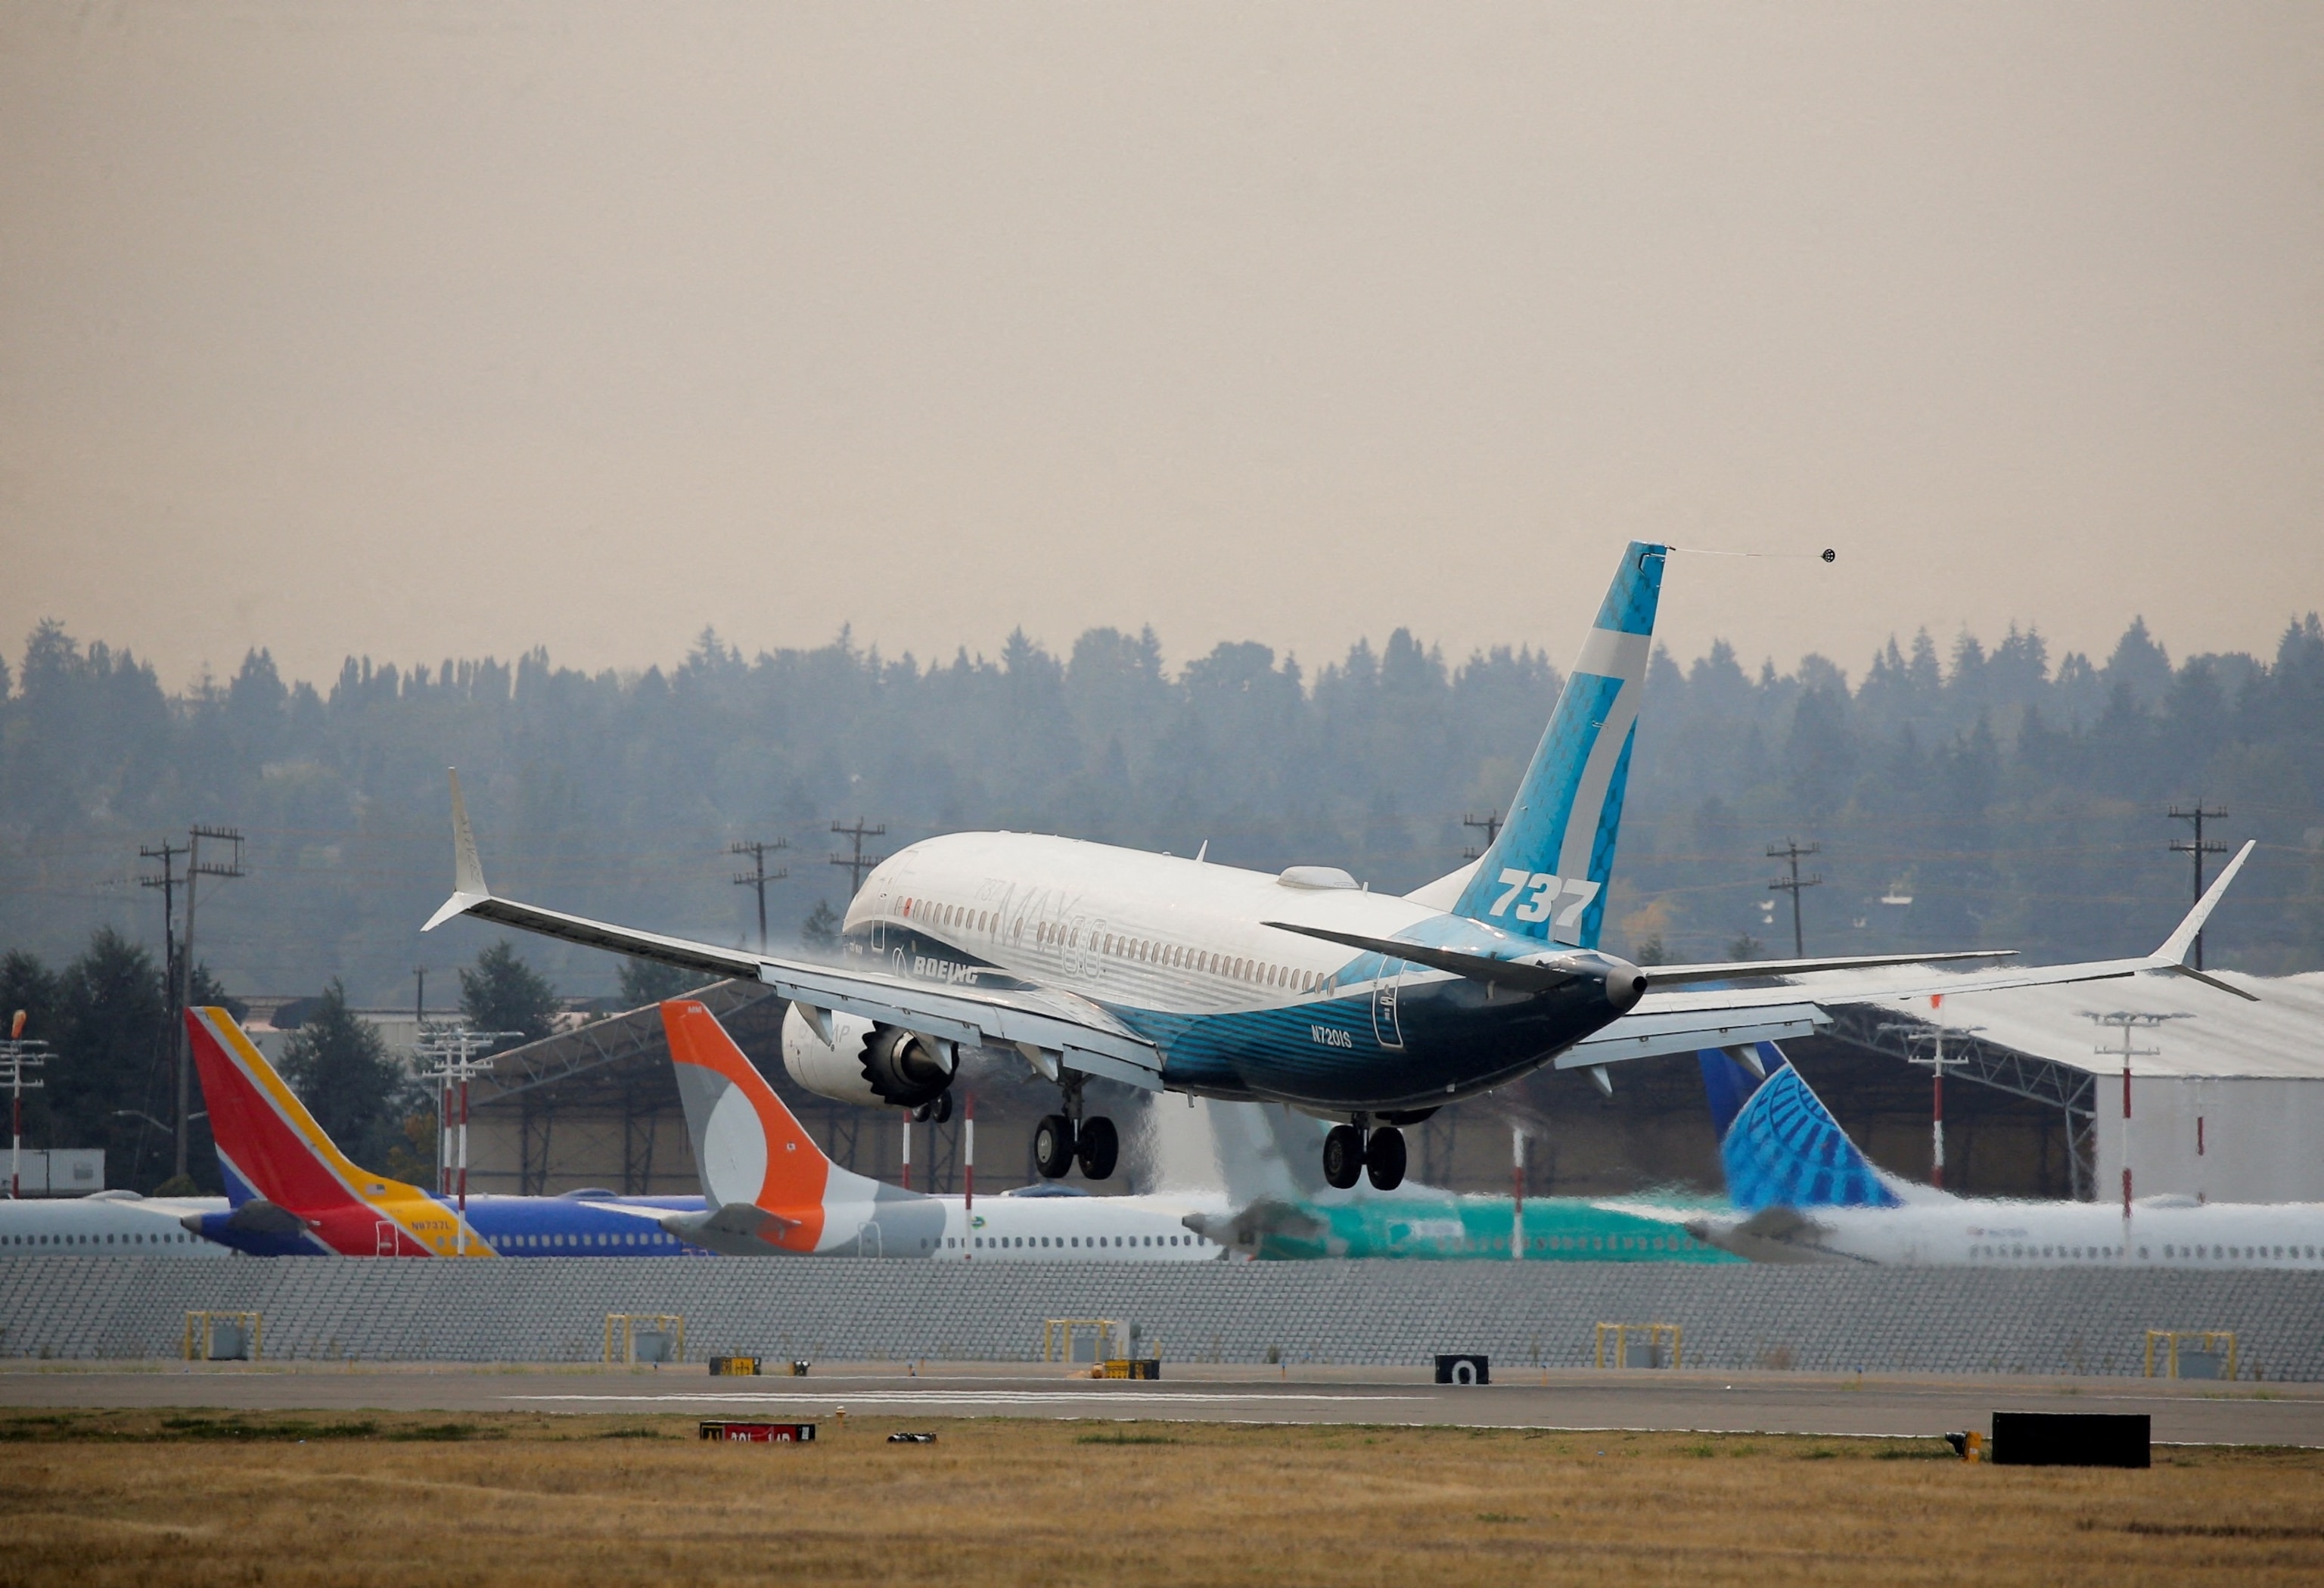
column 1517, row 1193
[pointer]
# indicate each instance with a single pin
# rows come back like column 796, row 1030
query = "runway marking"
column 973, row 1397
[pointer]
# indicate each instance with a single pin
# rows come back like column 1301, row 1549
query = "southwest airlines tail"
column 768, row 1186
column 287, row 1184
column 1545, row 875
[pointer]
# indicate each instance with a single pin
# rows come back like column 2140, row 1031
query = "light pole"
column 1914, row 1034
column 1517, row 1193
column 2127, row 1022
column 457, row 1054
column 16, row 1057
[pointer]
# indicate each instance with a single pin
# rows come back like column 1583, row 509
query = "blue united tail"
column 1545, row 875
column 1784, row 1149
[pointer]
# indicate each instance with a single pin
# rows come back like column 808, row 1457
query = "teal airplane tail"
column 1545, row 874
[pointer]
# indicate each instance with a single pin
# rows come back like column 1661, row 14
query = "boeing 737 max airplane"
column 1301, row 988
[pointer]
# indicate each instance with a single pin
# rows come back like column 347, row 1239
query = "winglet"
column 468, row 888
column 2172, row 955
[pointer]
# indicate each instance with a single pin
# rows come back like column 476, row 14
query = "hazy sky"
column 430, row 329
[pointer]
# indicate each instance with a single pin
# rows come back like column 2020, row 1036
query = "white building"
column 2229, row 1105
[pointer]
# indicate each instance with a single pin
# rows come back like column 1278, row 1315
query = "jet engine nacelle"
column 866, row 1062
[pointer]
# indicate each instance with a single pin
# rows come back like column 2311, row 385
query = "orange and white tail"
column 747, row 1148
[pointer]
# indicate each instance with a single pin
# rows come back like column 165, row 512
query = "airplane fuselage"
column 420, row 1224
column 110, row 1225
column 1178, row 951
column 1963, row 1233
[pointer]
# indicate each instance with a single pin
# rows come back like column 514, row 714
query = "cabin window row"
column 981, row 1243
column 592, row 1239
column 2244, row 1253
column 1144, row 950
column 131, row 1240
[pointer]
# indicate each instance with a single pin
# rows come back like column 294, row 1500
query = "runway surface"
column 1766, row 1403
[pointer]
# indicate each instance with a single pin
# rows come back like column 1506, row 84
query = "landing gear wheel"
column 1100, row 1148
column 1343, row 1157
column 1053, row 1145
column 1384, row 1159
column 937, row 1113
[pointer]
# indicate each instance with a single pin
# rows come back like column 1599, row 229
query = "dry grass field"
column 135, row 1497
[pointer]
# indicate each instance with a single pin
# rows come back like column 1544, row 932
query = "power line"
column 758, row 876
column 858, row 862
column 2195, row 849
column 1794, row 851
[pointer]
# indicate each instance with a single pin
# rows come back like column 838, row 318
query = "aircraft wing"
column 1679, row 1021
column 1080, row 1034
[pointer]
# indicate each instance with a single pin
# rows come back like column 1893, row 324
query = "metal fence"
column 1823, row 1320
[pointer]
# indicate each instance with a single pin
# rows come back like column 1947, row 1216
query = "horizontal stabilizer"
column 259, row 1217
column 1524, row 975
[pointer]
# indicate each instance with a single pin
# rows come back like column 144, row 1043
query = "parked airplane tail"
column 289, row 1185
column 267, row 1145
column 1728, row 1080
column 1784, row 1149
column 1545, row 875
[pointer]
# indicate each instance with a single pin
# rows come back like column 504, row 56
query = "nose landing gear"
column 1377, row 1155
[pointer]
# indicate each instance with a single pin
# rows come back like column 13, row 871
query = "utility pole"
column 195, row 868
column 758, row 876
column 858, row 862
column 456, row 1054
column 173, row 1017
column 16, row 1057
column 1489, row 824
column 167, row 854
column 1794, row 851
column 2195, row 849
column 2128, row 1022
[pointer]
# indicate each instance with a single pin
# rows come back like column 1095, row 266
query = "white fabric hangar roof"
column 2280, row 1038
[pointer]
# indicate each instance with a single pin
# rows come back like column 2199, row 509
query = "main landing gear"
column 1377, row 1154
column 1058, row 1140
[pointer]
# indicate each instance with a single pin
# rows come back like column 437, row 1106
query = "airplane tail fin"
column 1545, row 875
column 747, row 1148
column 269, row 1146
column 1265, row 1153
column 1731, row 1075
column 1784, row 1149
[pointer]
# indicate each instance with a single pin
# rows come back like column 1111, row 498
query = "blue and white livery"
column 1805, row 1193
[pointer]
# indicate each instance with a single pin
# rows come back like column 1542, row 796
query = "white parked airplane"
column 769, row 1191
column 109, row 1224
column 1301, row 988
column 1803, row 1193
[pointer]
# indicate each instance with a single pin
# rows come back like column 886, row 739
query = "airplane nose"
column 1625, row 984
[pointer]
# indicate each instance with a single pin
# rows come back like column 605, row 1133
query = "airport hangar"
column 2228, row 1109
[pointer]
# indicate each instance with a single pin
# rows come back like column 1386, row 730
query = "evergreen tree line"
column 2015, row 800
column 109, row 1019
